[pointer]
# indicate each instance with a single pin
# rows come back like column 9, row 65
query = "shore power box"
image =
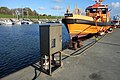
column 50, row 45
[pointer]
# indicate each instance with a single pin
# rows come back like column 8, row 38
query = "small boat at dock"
column 6, row 22
column 116, row 21
column 26, row 22
column 20, row 22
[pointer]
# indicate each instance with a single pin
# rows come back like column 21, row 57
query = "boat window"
column 92, row 10
column 87, row 10
column 68, row 15
column 97, row 10
column 103, row 11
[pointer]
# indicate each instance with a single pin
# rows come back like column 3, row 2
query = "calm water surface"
column 19, row 46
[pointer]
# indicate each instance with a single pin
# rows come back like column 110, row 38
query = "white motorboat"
column 7, row 22
column 26, row 22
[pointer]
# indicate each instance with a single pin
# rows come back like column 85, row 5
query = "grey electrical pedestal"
column 50, row 45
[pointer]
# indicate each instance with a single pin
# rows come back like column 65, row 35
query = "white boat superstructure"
column 6, row 22
column 20, row 22
column 1, row 22
column 26, row 22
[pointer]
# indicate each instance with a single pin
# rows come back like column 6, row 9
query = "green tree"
column 4, row 10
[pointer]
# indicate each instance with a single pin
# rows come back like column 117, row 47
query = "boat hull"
column 84, row 27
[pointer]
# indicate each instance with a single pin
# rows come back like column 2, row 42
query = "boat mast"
column 77, row 10
column 27, row 13
column 22, row 13
column 99, row 1
column 68, row 9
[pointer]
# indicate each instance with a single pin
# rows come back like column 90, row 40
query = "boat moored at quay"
column 97, row 20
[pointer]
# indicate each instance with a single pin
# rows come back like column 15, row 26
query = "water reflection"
column 19, row 46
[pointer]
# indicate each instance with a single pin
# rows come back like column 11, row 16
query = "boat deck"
column 100, row 62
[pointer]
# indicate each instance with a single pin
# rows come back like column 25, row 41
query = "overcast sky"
column 58, row 7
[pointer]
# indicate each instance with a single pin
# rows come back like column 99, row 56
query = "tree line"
column 20, row 11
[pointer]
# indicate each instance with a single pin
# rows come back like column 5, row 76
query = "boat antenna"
column 68, row 9
column 99, row 1
column 96, row 1
column 76, row 9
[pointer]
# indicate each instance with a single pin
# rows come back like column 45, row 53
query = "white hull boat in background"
column 6, row 22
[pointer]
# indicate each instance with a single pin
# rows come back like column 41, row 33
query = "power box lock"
column 53, row 43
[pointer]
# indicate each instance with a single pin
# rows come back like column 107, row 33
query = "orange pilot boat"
column 96, row 20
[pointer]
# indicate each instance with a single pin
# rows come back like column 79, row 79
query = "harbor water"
column 20, row 47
